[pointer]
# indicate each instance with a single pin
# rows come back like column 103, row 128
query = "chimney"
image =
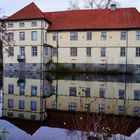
column 113, row 7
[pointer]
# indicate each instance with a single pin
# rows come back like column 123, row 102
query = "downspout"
column 57, row 45
column 42, row 42
column 126, row 65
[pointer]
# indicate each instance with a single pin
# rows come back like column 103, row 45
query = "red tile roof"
column 122, row 18
column 30, row 11
column 94, row 19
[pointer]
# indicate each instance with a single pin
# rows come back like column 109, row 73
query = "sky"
column 9, row 7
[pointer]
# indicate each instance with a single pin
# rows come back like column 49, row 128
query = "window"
column 103, row 66
column 136, row 111
column 136, row 94
column 21, row 36
column 137, row 67
column 103, row 35
column 46, row 49
column 101, row 92
column 122, row 66
column 138, row 35
column 103, row 52
column 88, row 51
column 101, row 108
column 73, row 51
column 122, row 79
column 138, row 51
column 10, row 25
column 33, row 90
column 34, row 51
column 34, row 35
column 121, row 93
column 10, row 88
column 22, row 51
column 73, row 36
column 87, row 92
column 21, row 104
column 34, row 23
column 11, row 51
column 10, row 114
column 89, row 35
column 33, row 117
column 10, row 36
column 72, row 91
column 72, row 106
column 123, row 36
column 54, row 52
column 54, row 89
column 54, row 36
column 21, row 24
column 21, row 115
column 34, row 65
column 122, row 51
column 22, row 89
column 87, row 107
column 10, row 103
column 53, row 104
column 33, row 105
column 120, row 109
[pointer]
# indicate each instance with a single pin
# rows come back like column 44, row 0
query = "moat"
column 69, row 107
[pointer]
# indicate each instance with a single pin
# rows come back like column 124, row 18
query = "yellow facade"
column 22, row 92
column 111, row 100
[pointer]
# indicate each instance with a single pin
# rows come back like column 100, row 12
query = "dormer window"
column 34, row 23
column 21, row 24
column 10, row 25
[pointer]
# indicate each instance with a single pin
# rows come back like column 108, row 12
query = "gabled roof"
column 30, row 11
column 96, row 19
column 121, row 18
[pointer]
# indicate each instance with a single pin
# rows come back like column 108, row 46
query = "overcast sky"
column 12, row 6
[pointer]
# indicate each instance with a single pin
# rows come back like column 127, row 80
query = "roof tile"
column 121, row 18
column 31, row 11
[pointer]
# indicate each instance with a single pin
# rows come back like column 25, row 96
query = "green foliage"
column 3, row 134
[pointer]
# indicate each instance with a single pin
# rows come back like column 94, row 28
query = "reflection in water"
column 96, row 103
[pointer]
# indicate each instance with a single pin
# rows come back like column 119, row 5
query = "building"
column 24, row 96
column 75, row 102
column 100, row 94
column 80, row 40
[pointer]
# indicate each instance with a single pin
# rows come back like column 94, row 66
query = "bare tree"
column 98, row 4
column 73, row 5
column 5, row 43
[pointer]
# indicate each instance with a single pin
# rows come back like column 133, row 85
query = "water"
column 44, row 106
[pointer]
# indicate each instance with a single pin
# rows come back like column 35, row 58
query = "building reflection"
column 119, row 95
column 75, row 102
column 24, row 96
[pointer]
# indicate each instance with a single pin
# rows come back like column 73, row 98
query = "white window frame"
column 21, row 24
column 89, row 36
column 21, row 36
column 34, row 23
column 73, row 36
column 103, row 35
column 73, row 51
column 34, row 51
column 34, row 35
column 123, row 35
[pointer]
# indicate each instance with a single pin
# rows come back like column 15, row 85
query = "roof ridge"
column 88, row 10
column 25, row 14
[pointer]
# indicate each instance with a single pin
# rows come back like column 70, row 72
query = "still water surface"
column 50, row 107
